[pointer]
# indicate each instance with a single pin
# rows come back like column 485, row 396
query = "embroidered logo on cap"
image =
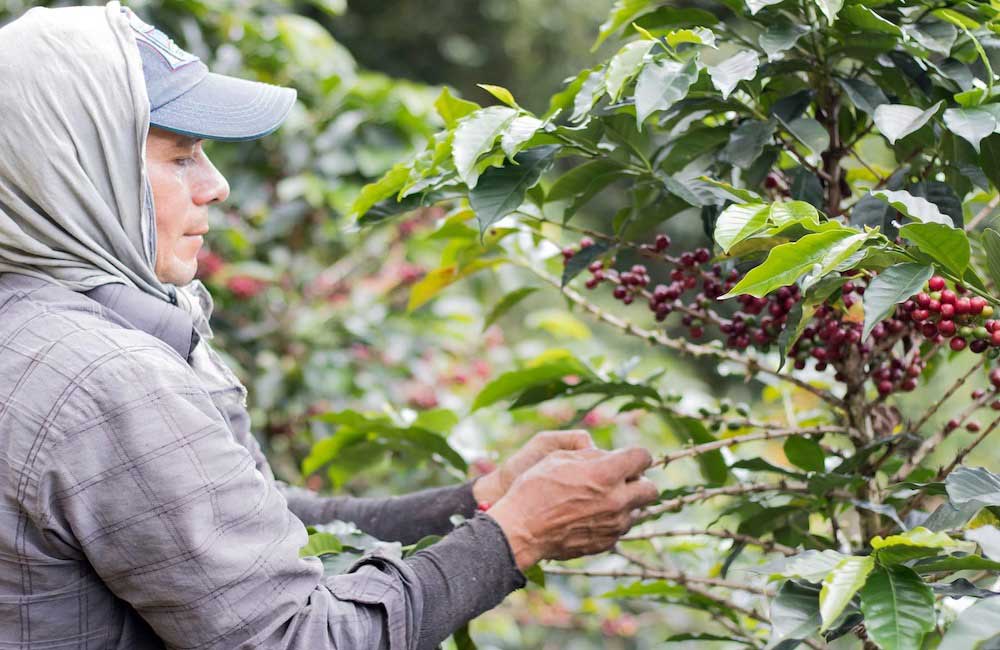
column 174, row 56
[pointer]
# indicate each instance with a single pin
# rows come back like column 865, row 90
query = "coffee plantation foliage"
column 842, row 161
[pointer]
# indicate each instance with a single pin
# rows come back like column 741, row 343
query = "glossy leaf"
column 739, row 221
column 795, row 615
column 972, row 124
column 976, row 484
column 747, row 143
column 805, row 453
column 991, row 245
column 896, row 121
column 947, row 246
column 787, row 263
column 510, row 383
column 841, row 585
column 892, row 286
column 662, row 83
column 974, row 626
column 914, row 207
column 475, row 136
column 624, row 66
column 501, row 190
column 739, row 67
column 898, row 608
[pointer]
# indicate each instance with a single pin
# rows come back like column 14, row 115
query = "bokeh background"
column 311, row 311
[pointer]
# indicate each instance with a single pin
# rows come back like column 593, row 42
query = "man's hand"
column 574, row 503
column 493, row 486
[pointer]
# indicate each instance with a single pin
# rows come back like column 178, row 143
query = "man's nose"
column 213, row 186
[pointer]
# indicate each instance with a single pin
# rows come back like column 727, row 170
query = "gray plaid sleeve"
column 176, row 519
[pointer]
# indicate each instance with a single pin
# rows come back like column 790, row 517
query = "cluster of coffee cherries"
column 890, row 358
column 695, row 283
column 942, row 312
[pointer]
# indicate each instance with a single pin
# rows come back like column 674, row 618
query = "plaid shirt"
column 135, row 513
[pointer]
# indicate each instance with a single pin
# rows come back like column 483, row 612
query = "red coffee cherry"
column 936, row 283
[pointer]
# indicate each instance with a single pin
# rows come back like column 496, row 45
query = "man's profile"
column 136, row 508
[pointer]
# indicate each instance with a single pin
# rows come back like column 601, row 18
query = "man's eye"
column 184, row 162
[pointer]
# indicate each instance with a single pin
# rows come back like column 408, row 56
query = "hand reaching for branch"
column 493, row 486
column 574, row 503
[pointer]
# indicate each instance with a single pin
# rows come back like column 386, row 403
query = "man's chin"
column 179, row 274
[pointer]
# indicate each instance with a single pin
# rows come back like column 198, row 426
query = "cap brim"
column 226, row 108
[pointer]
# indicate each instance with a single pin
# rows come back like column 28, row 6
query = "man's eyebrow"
column 185, row 141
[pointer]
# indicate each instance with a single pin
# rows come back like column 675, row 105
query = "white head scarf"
column 76, row 207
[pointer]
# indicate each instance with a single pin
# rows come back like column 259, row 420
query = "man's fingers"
column 571, row 439
column 639, row 493
column 625, row 464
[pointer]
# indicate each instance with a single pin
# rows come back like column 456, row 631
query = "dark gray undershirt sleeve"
column 406, row 519
column 465, row 574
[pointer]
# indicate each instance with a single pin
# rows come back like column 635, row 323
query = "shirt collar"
column 170, row 324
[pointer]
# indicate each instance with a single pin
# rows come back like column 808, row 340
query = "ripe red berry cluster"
column 891, row 358
column 942, row 312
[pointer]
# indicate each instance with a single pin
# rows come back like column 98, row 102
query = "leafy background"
column 316, row 315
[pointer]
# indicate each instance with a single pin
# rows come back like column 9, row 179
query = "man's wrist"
column 526, row 549
column 487, row 489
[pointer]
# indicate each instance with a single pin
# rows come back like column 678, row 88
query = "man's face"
column 184, row 183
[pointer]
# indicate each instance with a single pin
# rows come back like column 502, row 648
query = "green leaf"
column 501, row 190
column 956, row 563
column 914, row 207
column 622, row 13
column 863, row 17
column 810, row 133
column 452, row 109
column 535, row 575
column 898, row 608
column 584, row 181
column 840, row 586
column 947, row 246
column 321, row 544
column 896, row 121
column 780, row 37
column 989, row 158
column 656, row 588
column 713, row 465
column 739, row 221
column 863, row 95
column 475, row 135
column 739, row 67
column 974, row 626
column 382, row 189
column 679, row 638
column 756, row 5
column 582, row 260
column 696, row 35
column 805, row 453
column 588, row 95
column 788, row 262
column 988, row 538
column 506, row 304
column 500, row 93
column 977, row 484
column 972, row 124
column 892, row 286
column 794, row 615
column 830, row 8
column 811, row 566
column 991, row 245
column 915, row 543
column 521, row 129
column 661, row 84
column 554, row 365
column 747, row 142
column 624, row 65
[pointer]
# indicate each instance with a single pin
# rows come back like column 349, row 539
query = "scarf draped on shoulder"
column 76, row 206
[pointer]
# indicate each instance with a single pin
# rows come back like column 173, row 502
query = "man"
column 136, row 509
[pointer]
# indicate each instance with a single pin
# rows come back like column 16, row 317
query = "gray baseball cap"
column 184, row 97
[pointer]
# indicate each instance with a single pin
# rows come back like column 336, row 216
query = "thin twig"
column 960, row 456
column 703, row 494
column 947, row 394
column 662, row 574
column 773, row 434
column 988, row 208
column 765, row 544
column 932, row 443
column 691, row 349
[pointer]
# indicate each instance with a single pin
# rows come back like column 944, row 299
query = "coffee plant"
column 842, row 160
